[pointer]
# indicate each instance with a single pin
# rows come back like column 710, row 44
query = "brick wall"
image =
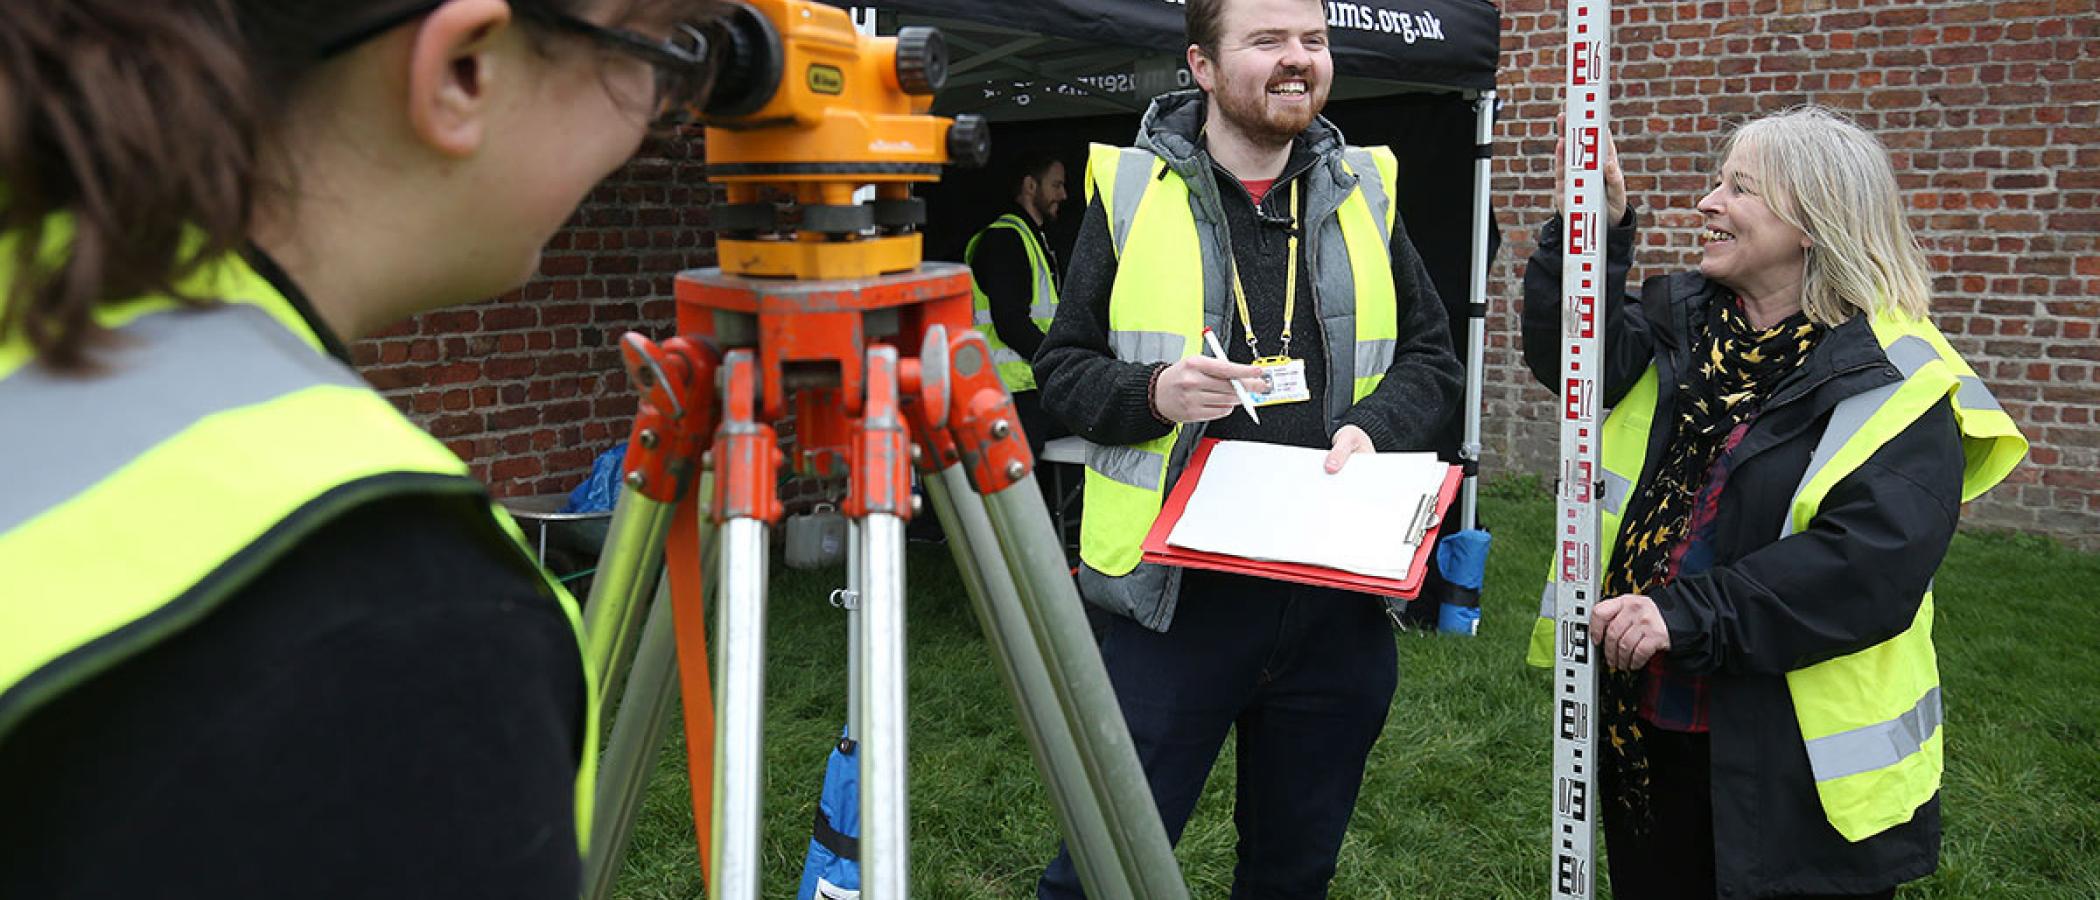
column 1992, row 113
column 528, row 388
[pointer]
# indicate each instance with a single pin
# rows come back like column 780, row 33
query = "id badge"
column 1286, row 381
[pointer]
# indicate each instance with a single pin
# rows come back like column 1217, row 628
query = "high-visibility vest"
column 1870, row 720
column 1014, row 369
column 1157, row 309
column 143, row 496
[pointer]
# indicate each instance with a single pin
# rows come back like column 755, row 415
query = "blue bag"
column 831, row 871
column 1462, row 557
column 601, row 490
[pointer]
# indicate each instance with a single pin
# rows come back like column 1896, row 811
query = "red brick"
column 516, row 467
column 509, row 368
column 505, row 318
column 447, row 426
column 454, row 373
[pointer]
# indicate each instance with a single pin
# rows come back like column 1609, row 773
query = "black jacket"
column 1853, row 579
column 1001, row 268
column 391, row 709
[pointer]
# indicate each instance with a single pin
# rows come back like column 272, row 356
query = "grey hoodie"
column 1105, row 399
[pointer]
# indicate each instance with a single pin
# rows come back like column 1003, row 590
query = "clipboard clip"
column 1424, row 517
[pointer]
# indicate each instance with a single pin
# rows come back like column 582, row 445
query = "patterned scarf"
column 1735, row 369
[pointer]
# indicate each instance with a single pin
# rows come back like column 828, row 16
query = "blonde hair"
column 1823, row 174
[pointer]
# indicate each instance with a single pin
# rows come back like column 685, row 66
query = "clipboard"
column 1158, row 551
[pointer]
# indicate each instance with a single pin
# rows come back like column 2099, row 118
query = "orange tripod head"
column 805, row 111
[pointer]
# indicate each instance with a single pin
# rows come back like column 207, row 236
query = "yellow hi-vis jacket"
column 1014, row 370
column 146, row 495
column 1870, row 719
column 1157, row 314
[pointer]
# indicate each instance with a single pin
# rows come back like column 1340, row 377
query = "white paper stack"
column 1278, row 504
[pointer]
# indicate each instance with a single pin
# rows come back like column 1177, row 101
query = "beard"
column 1249, row 111
column 1046, row 208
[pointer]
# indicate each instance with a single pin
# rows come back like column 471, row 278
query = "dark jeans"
column 1301, row 676
column 1675, row 859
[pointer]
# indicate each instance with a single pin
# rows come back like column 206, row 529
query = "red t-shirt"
column 1258, row 189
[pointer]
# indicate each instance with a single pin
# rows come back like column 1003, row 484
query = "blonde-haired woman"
column 1789, row 447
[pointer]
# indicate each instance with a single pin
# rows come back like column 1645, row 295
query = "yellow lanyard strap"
column 1290, row 285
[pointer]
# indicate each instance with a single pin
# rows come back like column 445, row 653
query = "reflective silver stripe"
column 1133, row 175
column 1367, row 176
column 1974, row 395
column 1846, row 420
column 1004, row 355
column 1147, row 346
column 1876, row 746
column 1127, row 465
column 67, row 433
column 983, row 317
column 1374, row 357
column 1044, row 304
column 1617, row 488
column 1549, row 605
column 1911, row 353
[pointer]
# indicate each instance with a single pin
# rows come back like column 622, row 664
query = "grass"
column 1455, row 801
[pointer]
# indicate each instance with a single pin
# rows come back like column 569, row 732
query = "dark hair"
column 128, row 141
column 1032, row 163
column 1204, row 22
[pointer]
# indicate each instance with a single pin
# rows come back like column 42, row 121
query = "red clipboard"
column 1157, row 550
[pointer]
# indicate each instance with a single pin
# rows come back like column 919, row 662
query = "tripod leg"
column 1052, row 601
column 981, row 424
column 885, row 814
column 1028, row 681
column 652, row 689
column 747, row 459
column 740, row 710
column 879, row 500
column 630, row 754
column 854, row 585
column 627, row 574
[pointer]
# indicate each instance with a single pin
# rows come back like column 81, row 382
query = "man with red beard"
column 1241, row 210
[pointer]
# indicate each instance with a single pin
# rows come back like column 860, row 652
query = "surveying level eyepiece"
column 746, row 60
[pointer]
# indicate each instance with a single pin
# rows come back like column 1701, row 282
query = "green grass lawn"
column 1456, row 800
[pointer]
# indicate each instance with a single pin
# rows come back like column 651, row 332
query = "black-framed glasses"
column 683, row 71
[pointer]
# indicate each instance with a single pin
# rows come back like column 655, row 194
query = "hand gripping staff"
column 1579, row 556
column 822, row 309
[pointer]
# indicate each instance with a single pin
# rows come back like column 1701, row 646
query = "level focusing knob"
column 970, row 141
column 922, row 60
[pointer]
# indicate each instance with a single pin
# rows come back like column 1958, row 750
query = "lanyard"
column 1290, row 285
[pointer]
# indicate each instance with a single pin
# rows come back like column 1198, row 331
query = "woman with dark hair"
column 262, row 637
column 1789, row 447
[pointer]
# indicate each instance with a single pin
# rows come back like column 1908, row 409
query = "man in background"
column 1017, row 279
